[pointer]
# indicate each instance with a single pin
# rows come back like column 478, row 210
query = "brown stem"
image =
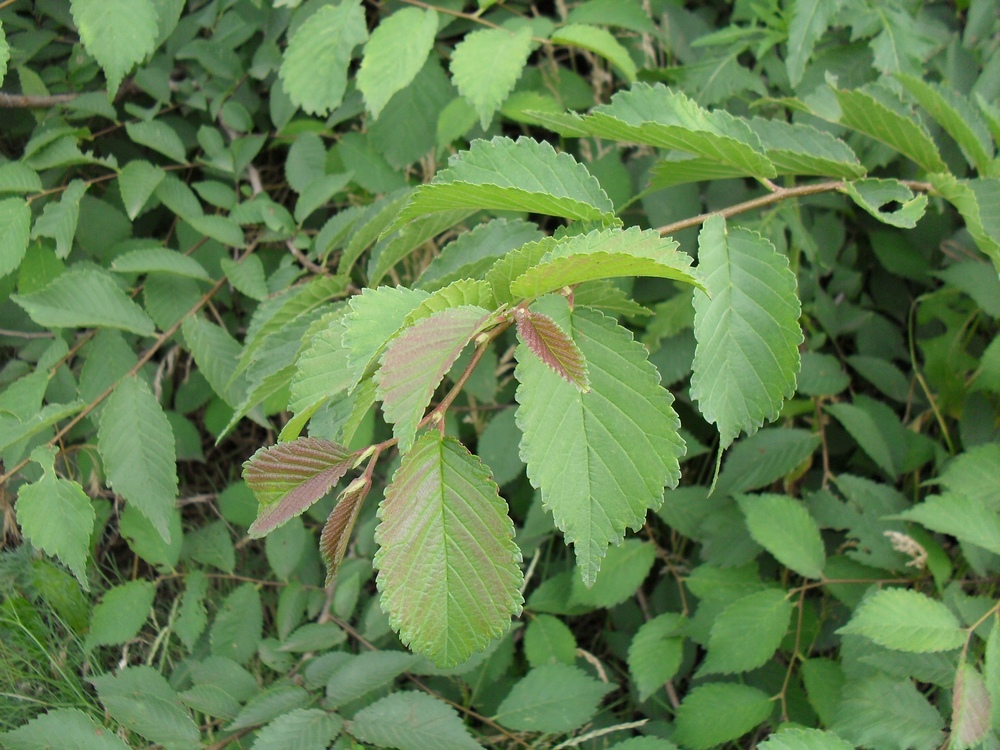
column 28, row 101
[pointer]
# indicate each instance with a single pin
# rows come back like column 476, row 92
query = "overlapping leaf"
column 748, row 332
column 521, row 175
column 339, row 524
column 906, row 621
column 977, row 200
column 288, row 478
column 59, row 218
column 808, row 22
column 118, row 33
column 448, row 566
column 552, row 346
column 375, row 317
column 600, row 458
column 600, row 41
column 417, row 360
column 795, row 148
column 395, row 54
column 486, row 86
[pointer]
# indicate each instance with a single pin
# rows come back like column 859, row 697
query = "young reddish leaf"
column 340, row 523
column 970, row 708
column 289, row 477
column 416, row 361
column 557, row 350
column 447, row 563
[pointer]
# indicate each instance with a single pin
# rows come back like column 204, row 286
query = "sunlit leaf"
column 906, row 621
column 486, row 86
column 395, row 54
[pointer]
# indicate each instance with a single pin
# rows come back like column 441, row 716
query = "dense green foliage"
column 348, row 347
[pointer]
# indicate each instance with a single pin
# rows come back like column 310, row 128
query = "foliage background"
column 185, row 187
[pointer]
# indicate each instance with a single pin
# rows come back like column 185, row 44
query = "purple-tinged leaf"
column 970, row 708
column 447, row 563
column 289, row 477
column 340, row 523
column 550, row 344
column 417, row 360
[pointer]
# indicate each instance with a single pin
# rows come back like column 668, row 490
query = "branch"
column 27, row 101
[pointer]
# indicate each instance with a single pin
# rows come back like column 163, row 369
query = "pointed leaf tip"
column 340, row 523
column 289, row 477
column 542, row 336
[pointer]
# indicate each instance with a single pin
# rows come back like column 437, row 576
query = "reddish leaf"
column 340, row 523
column 289, row 477
column 970, row 715
column 551, row 345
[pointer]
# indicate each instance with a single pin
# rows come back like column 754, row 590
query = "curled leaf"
column 340, row 523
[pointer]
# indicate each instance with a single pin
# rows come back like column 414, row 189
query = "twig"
column 28, row 101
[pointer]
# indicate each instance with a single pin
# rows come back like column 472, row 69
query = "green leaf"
column 237, row 627
column 882, row 712
column 15, row 224
column 161, row 138
column 746, row 633
column 665, row 118
column 447, row 564
column 623, row 570
column 120, row 614
column 486, row 86
column 597, row 40
column 970, row 712
column 314, row 69
column 395, row 54
column 66, row 728
column 140, row 699
column 144, row 471
column 521, row 175
column 809, row 21
column 748, row 330
column 216, row 354
column 456, row 294
column 795, row 148
column 548, row 640
column 117, row 33
column 220, row 228
column 991, row 673
column 376, row 316
column 554, row 698
column 321, row 370
column 246, row 276
column 137, row 182
column 4, row 53
column 596, row 480
column 965, row 518
column 861, row 110
column 627, row 14
column 765, row 457
column 192, row 618
column 719, row 712
column 602, row 254
column 85, row 297
column 873, row 194
column 314, row 636
column 56, row 516
column 288, row 478
column 906, row 621
column 655, row 654
column 59, row 218
column 783, row 527
column 976, row 200
column 415, row 363
column 822, row 375
column 159, row 260
column 973, row 474
column 409, row 720
column 397, row 246
column 17, row 177
column 795, row 738
column 301, row 729
column 552, row 346
column 275, row 701
column 867, row 430
column 359, row 675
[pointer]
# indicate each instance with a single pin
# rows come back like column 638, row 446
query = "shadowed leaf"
column 541, row 334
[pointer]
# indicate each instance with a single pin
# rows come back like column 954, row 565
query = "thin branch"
column 28, row 101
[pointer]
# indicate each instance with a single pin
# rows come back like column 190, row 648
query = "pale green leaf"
column 4, row 53
column 795, row 148
column 873, row 194
column 600, row 41
column 678, row 169
column 394, row 247
column 746, row 633
column 56, row 516
column 782, row 525
column 906, row 620
column 965, row 518
column 416, row 361
column 192, row 617
column 748, row 331
column 144, row 471
column 370, row 225
column 882, row 712
column 85, row 297
column 159, row 260
column 548, row 640
column 140, row 699
column 719, row 712
column 601, row 254
column 809, row 21
column 627, row 14
column 655, row 654
column 216, row 354
column 447, row 564
column 860, row 110
column 314, row 69
column 409, row 720
column 321, row 369
column 246, row 276
column 623, row 570
column 15, row 223
column 306, row 161
column 796, row 738
column 970, row 714
column 765, row 457
column 456, row 294
column 973, row 473
column 59, row 218
column 120, row 614
column 158, row 136
column 554, row 698
column 485, row 86
column 361, row 674
column 301, row 729
column 145, row 540
column 65, row 728
column 17, row 177
column 977, row 201
column 521, row 175
column 137, row 182
column 117, row 33
column 596, row 478
column 376, row 316
column 238, row 623
column 666, row 118
column 395, row 54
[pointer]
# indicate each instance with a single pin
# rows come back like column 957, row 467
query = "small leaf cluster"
column 448, row 374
